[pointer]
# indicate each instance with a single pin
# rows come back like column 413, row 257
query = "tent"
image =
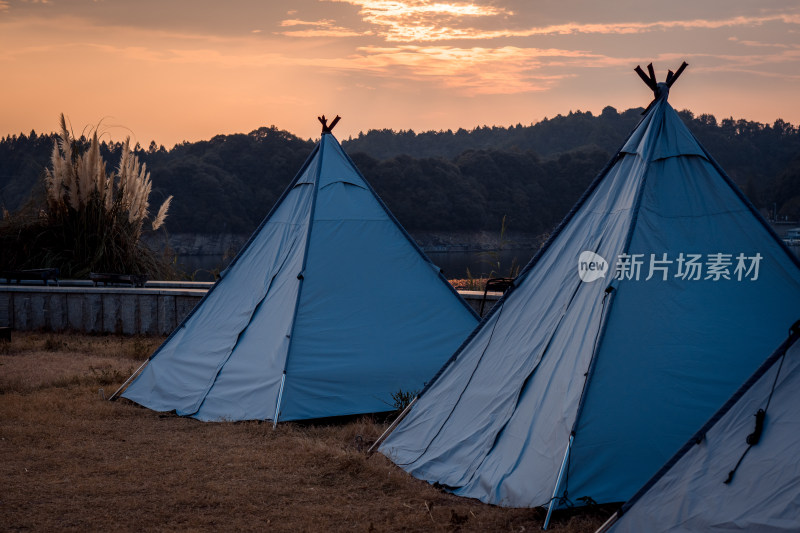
column 739, row 472
column 649, row 305
column 329, row 309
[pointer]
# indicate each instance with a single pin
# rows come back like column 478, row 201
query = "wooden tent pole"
column 127, row 381
column 392, row 426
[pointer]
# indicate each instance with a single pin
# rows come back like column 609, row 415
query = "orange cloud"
column 758, row 44
column 420, row 21
column 756, row 63
column 296, row 22
column 470, row 71
column 383, row 11
column 318, row 28
column 643, row 27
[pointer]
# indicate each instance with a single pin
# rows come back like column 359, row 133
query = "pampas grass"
column 76, row 181
column 161, row 216
column 93, row 218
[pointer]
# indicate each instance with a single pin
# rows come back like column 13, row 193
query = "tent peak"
column 650, row 78
column 325, row 127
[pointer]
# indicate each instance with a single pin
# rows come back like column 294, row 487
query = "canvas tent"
column 649, row 305
column 328, row 310
column 739, row 472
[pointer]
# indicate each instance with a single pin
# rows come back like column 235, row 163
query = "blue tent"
column 650, row 304
column 328, row 310
column 738, row 472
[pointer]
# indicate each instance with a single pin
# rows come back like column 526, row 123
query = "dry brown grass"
column 71, row 461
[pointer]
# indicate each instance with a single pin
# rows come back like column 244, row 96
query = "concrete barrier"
column 156, row 309
column 129, row 311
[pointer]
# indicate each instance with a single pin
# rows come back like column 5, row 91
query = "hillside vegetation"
column 435, row 181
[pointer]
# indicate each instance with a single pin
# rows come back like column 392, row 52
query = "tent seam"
column 659, row 108
column 301, row 275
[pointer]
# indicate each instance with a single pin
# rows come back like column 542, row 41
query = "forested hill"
column 551, row 136
column 445, row 181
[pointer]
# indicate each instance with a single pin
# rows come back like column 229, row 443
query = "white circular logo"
column 591, row 266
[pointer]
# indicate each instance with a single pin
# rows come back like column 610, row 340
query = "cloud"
column 512, row 67
column 644, row 27
column 468, row 71
column 387, row 11
column 317, row 28
column 420, row 21
column 759, row 64
column 296, row 22
column 758, row 44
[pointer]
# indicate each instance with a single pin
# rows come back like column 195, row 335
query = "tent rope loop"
column 753, row 438
column 761, row 415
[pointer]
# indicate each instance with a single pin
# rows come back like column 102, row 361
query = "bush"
column 91, row 220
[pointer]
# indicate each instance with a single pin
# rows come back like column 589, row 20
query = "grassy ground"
column 71, row 461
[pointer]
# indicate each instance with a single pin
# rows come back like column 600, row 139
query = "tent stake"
column 392, row 426
column 558, row 483
column 278, row 404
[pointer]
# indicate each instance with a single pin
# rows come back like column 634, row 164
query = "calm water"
column 202, row 267
column 454, row 264
column 481, row 264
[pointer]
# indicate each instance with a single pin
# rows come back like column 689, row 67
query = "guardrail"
column 156, row 309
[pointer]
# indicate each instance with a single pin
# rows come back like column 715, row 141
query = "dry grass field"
column 71, row 461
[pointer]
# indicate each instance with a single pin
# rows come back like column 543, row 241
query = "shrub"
column 402, row 398
column 92, row 220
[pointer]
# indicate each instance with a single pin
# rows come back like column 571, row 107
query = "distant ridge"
column 450, row 181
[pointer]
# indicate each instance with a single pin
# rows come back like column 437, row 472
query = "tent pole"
column 551, row 508
column 608, row 523
column 127, row 381
column 392, row 426
column 278, row 404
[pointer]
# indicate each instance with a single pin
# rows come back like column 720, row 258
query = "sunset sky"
column 175, row 70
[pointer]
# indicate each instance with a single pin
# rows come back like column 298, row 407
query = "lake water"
column 481, row 264
column 454, row 264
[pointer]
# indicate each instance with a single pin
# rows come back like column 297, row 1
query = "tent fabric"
column 331, row 292
column 690, row 492
column 629, row 355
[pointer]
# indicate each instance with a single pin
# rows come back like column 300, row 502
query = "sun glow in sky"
column 180, row 70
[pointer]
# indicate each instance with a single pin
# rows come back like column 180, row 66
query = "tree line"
column 445, row 180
